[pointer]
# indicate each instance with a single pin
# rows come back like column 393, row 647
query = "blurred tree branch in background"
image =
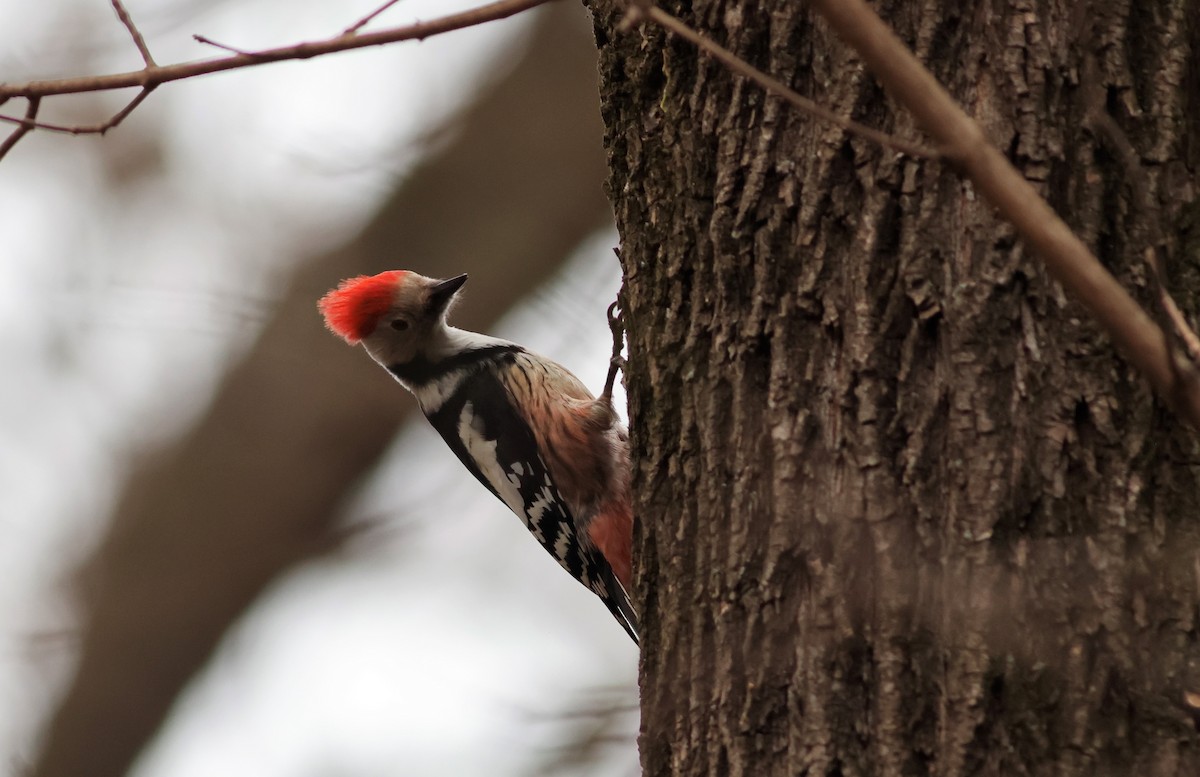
column 255, row 487
column 593, row 722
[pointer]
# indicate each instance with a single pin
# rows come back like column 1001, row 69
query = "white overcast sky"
column 446, row 645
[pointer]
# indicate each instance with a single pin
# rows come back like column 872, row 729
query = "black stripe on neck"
column 421, row 371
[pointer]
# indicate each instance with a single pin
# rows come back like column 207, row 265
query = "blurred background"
column 230, row 545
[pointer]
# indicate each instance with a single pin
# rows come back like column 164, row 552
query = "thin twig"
column 222, row 46
column 151, row 76
column 1147, row 233
column 128, row 109
column 1179, row 333
column 635, row 14
column 134, row 33
column 26, row 125
column 30, row 123
column 640, row 10
column 1184, row 336
column 84, row 129
column 1065, row 255
column 161, row 74
column 358, row 25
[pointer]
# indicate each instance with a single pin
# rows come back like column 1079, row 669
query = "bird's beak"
column 441, row 292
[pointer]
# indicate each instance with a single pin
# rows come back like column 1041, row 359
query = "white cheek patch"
column 483, row 452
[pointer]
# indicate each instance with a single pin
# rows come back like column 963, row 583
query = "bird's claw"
column 616, row 324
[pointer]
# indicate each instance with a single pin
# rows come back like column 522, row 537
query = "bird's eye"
column 399, row 324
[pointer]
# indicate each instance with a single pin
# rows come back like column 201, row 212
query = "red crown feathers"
column 353, row 309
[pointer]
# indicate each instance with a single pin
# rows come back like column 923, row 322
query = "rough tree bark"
column 902, row 509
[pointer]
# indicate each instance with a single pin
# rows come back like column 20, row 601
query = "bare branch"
column 592, row 724
column 128, row 109
column 152, row 76
column 1184, row 336
column 223, row 47
column 638, row 11
column 134, row 33
column 358, row 25
column 27, row 124
column 83, row 129
column 1065, row 255
column 1148, row 234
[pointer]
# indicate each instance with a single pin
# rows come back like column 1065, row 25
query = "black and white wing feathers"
column 492, row 439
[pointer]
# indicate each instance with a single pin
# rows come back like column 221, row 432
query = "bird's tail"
column 617, row 601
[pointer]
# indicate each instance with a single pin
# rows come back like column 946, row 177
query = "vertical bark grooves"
column 902, row 509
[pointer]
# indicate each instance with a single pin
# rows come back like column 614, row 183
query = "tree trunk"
column 901, row 507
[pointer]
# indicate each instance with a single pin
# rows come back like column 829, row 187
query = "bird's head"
column 396, row 315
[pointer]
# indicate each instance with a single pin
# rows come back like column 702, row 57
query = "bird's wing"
column 495, row 442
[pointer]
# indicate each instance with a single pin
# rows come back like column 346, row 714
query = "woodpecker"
column 523, row 425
